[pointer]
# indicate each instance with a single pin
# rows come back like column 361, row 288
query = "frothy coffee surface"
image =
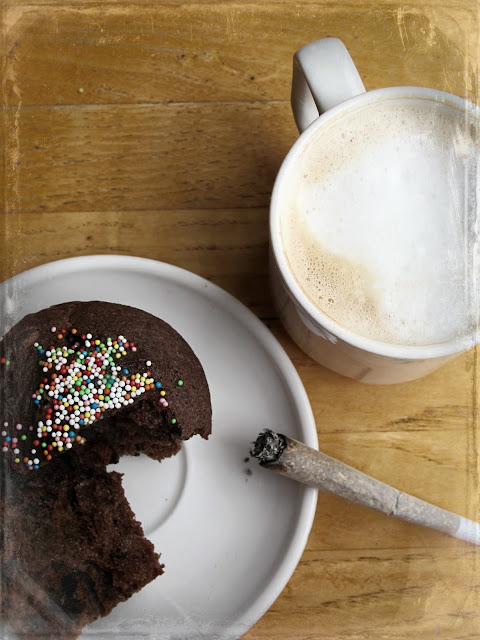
column 379, row 224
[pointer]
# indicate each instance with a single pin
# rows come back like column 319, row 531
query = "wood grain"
column 144, row 157
column 470, row 5
column 225, row 52
column 156, row 129
column 412, row 593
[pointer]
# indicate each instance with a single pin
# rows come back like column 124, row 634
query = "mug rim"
column 319, row 318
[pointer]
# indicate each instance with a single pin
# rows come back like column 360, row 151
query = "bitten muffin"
column 82, row 384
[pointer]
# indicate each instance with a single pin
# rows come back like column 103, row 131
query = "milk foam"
column 381, row 227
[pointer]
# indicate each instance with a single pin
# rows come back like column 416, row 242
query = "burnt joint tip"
column 268, row 447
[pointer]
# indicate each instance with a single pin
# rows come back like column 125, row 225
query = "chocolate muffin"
column 82, row 384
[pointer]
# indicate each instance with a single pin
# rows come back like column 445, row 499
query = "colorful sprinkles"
column 82, row 380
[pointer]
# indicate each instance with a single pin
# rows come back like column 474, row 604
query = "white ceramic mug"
column 326, row 87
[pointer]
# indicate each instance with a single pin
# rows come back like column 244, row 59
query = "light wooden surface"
column 157, row 129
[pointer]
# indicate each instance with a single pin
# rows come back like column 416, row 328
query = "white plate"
column 229, row 532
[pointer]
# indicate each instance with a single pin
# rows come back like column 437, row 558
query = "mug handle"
column 323, row 76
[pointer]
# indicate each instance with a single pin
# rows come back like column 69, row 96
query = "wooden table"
column 156, row 129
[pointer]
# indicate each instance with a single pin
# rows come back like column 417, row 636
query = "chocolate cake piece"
column 82, row 384
column 71, row 548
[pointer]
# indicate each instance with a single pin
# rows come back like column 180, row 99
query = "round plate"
column 230, row 533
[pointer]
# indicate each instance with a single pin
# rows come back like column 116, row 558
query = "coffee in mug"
column 375, row 220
